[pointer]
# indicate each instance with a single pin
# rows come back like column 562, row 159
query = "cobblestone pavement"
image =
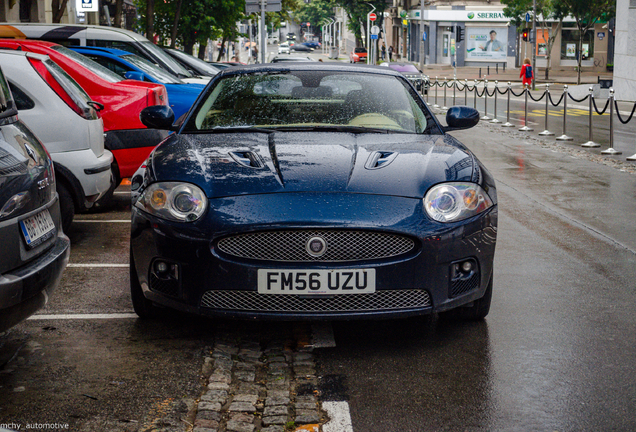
column 266, row 382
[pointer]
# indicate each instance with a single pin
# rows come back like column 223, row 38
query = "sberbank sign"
column 486, row 15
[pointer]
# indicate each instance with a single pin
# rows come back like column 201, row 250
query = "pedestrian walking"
column 526, row 74
column 390, row 53
column 255, row 54
column 383, row 51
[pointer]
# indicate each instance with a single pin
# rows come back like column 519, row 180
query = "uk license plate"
column 37, row 229
column 316, row 282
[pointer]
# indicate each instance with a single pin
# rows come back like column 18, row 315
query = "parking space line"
column 322, row 335
column 98, row 265
column 339, row 415
column 84, row 316
column 102, row 220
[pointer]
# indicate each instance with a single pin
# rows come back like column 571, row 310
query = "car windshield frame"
column 99, row 70
column 161, row 75
column 306, row 100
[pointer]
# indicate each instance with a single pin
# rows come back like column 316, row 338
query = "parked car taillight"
column 157, row 96
column 65, row 87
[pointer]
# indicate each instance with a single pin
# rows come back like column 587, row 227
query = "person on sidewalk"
column 383, row 51
column 390, row 53
column 526, row 74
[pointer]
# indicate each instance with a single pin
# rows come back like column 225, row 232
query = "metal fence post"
column 526, row 128
column 454, row 88
column 466, row 92
column 546, row 132
column 436, row 85
column 475, row 95
column 611, row 151
column 495, row 120
column 445, row 108
column 565, row 136
column 485, row 117
column 507, row 123
column 590, row 142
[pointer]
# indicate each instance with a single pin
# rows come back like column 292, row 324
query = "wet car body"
column 272, row 193
column 34, row 250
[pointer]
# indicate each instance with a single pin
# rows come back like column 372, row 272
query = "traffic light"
column 459, row 34
column 525, row 34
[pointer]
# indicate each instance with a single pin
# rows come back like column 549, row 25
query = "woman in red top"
column 527, row 80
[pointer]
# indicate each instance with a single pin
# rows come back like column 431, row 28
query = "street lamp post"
column 368, row 32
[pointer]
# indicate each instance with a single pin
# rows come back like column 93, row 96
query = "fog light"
column 467, row 266
column 161, row 267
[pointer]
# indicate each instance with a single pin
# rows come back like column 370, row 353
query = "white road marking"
column 98, row 265
column 102, row 220
column 339, row 415
column 322, row 335
column 84, row 316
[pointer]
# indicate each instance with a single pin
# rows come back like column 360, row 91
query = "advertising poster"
column 570, row 50
column 542, row 42
column 585, row 51
column 484, row 43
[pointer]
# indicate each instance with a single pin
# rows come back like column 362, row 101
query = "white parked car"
column 284, row 48
column 64, row 118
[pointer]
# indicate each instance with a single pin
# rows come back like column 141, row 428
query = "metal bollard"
column 497, row 67
column 454, row 88
column 466, row 92
column 526, row 128
column 565, row 136
column 445, row 108
column 479, row 73
column 485, row 117
column 488, row 73
column 610, row 151
column 475, row 95
column 546, row 132
column 428, row 92
column 507, row 123
column 495, row 120
column 590, row 142
column 436, row 85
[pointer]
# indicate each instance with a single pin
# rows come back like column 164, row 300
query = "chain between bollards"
column 436, row 86
column 611, row 151
column 485, row 117
column 507, row 123
column 546, row 132
column 495, row 120
column 526, row 128
column 445, row 108
column 565, row 136
column 590, row 142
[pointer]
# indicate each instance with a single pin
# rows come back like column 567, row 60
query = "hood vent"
column 247, row 158
column 380, row 159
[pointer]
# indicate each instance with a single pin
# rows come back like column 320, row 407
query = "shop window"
column 570, row 42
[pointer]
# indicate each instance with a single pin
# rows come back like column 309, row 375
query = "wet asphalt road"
column 557, row 352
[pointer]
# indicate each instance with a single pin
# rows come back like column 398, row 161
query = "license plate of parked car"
column 36, row 229
column 315, row 282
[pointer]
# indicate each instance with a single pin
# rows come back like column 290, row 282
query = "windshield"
column 174, row 66
column 360, row 50
column 196, row 62
column 89, row 64
column 153, row 70
column 302, row 99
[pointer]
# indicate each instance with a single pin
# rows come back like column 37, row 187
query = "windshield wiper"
column 231, row 129
column 342, row 128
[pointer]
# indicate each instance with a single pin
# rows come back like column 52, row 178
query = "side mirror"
column 158, row 117
column 461, row 117
column 134, row 75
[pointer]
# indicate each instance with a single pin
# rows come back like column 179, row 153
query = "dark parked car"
column 413, row 74
column 309, row 190
column 34, row 248
column 301, row 48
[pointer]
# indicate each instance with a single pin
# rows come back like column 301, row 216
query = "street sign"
column 424, row 36
column 403, row 14
column 87, row 6
column 372, row 16
column 373, row 36
column 527, row 16
column 375, row 30
column 254, row 6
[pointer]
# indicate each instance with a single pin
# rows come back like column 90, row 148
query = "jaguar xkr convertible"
column 312, row 191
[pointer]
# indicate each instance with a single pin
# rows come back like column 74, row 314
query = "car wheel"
column 476, row 312
column 143, row 307
column 67, row 206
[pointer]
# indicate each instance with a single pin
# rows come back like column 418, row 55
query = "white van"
column 100, row 36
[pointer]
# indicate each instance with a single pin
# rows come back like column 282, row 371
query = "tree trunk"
column 220, row 56
column 202, row 49
column 175, row 25
column 188, row 47
column 579, row 56
column 119, row 10
column 58, row 10
column 150, row 20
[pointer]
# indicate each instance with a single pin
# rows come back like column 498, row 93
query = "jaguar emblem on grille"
column 316, row 246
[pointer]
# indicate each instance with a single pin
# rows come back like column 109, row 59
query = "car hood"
column 256, row 163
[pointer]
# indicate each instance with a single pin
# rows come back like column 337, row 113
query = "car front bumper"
column 208, row 281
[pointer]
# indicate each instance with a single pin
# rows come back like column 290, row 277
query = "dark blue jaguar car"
column 313, row 191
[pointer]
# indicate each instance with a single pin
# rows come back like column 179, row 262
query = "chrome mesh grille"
column 290, row 246
column 254, row 302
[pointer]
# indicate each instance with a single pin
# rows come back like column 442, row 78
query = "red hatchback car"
column 125, row 136
column 358, row 55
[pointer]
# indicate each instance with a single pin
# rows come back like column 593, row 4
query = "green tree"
column 587, row 13
column 546, row 10
column 357, row 11
column 316, row 12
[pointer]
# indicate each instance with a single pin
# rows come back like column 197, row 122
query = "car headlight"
column 451, row 202
column 181, row 202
